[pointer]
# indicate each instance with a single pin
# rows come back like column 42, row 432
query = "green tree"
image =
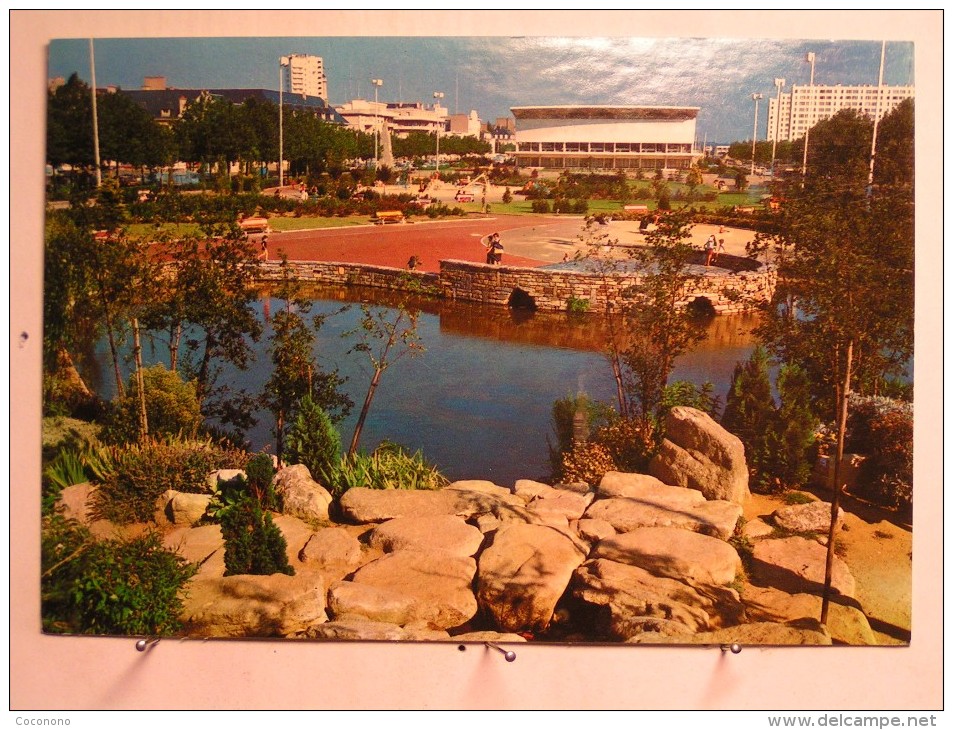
column 313, row 440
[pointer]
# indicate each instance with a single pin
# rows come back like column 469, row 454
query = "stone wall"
column 542, row 289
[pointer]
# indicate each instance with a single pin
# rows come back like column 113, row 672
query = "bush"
column 313, row 440
column 253, row 544
column 172, row 408
column 259, row 473
column 586, row 462
column 630, row 443
column 142, row 472
column 886, row 476
column 541, row 206
column 109, row 587
column 389, row 467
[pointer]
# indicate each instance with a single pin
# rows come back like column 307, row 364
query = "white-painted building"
column 606, row 137
column 305, row 75
column 804, row 106
column 402, row 117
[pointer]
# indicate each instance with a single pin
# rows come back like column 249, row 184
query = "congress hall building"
column 606, row 137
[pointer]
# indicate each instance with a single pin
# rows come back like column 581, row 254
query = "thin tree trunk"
column 364, row 409
column 838, row 487
column 175, row 336
column 137, row 351
column 114, row 351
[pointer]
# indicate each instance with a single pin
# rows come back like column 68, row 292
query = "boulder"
column 797, row 565
column 332, row 548
column 358, row 629
column 753, row 634
column 300, row 495
column 523, row 574
column 552, row 504
column 74, row 502
column 811, row 517
column 223, row 476
column 594, row 530
column 481, row 637
column 241, row 606
column 757, row 528
column 846, row 623
column 437, row 583
column 479, row 485
column 348, row 599
column 442, row 532
column 297, row 534
column 646, row 502
column 629, row 595
column 670, row 552
column 363, row 505
column 203, row 546
column 698, row 453
column 186, row 509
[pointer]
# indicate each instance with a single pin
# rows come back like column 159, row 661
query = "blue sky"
column 492, row 74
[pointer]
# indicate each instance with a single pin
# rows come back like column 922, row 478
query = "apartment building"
column 606, row 137
column 402, row 117
column 804, row 106
column 304, row 75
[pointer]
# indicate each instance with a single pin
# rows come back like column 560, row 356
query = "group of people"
column 494, row 249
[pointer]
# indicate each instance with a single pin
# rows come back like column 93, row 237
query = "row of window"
column 607, row 163
column 612, row 147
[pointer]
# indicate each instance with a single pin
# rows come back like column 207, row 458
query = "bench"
column 388, row 216
column 254, row 225
column 636, row 208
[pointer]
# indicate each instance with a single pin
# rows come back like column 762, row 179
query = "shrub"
column 253, row 544
column 541, row 206
column 586, row 462
column 111, row 586
column 142, row 472
column 172, row 408
column 575, row 305
column 389, row 466
column 507, row 196
column 313, row 440
column 630, row 443
column 259, row 473
column 886, row 476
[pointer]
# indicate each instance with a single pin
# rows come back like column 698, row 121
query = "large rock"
column 698, row 453
column 443, row 532
column 74, row 502
column 552, row 505
column 203, row 546
column 797, row 565
column 332, row 548
column 811, row 517
column 301, row 496
column 753, row 634
column 297, row 534
column 363, row 505
column 846, row 623
column 523, row 573
column 239, row 606
column 184, row 508
column 646, row 502
column 358, row 629
column 629, row 595
column 438, row 584
column 348, row 599
column 673, row 553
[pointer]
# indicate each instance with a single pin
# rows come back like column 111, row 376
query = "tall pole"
column 810, row 117
column 92, row 73
column 377, row 120
column 873, row 143
column 282, row 62
column 777, row 124
column 754, row 135
column 438, row 95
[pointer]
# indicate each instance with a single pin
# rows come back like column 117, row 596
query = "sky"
column 493, row 74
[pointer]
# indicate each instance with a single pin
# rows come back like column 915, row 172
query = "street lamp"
column 810, row 117
column 777, row 123
column 377, row 121
column 754, row 135
column 437, row 95
column 282, row 62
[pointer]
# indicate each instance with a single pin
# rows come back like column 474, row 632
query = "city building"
column 804, row 106
column 304, row 75
column 402, row 117
column 465, row 125
column 606, row 137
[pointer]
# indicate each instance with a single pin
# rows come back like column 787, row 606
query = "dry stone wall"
column 542, row 289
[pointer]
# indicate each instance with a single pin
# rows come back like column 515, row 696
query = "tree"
column 749, row 412
column 850, row 271
column 384, row 336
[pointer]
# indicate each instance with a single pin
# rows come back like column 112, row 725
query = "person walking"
column 710, row 249
column 496, row 248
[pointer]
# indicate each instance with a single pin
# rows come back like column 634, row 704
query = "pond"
column 478, row 401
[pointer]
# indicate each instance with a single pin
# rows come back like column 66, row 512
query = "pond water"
column 478, row 401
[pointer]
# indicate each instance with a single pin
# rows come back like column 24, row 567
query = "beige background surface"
column 99, row 673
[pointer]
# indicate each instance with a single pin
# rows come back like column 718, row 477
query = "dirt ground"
column 878, row 549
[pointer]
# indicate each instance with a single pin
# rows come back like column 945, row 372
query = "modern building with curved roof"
column 606, row 137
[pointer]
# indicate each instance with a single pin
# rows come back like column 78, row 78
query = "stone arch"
column 702, row 306
column 521, row 299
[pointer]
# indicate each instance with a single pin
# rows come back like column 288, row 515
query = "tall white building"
column 805, row 106
column 304, row 75
column 402, row 117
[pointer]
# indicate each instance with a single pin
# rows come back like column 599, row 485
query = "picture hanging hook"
column 144, row 644
column 733, row 648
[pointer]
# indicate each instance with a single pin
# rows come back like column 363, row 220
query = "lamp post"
column 777, row 124
column 437, row 95
column 377, row 120
column 810, row 118
column 282, row 62
column 754, row 135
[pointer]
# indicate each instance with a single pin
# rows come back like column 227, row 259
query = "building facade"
column 606, row 137
column 401, row 117
column 305, row 75
column 805, row 106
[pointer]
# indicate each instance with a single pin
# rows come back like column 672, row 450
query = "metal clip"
column 733, row 648
column 510, row 656
column 144, row 644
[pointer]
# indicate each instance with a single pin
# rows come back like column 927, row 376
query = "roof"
column 648, row 113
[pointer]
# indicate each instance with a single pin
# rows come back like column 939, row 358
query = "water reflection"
column 478, row 401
